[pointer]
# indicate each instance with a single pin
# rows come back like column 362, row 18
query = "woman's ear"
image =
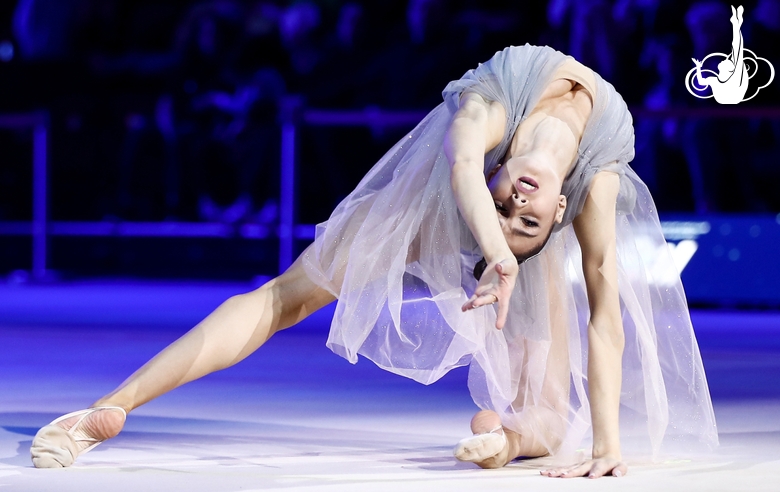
column 561, row 209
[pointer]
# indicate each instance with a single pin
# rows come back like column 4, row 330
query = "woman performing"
column 577, row 332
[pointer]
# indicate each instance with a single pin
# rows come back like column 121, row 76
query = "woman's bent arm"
column 476, row 128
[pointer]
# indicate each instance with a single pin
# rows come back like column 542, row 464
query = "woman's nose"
column 519, row 199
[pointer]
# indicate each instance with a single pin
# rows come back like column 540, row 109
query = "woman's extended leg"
column 543, row 424
column 234, row 330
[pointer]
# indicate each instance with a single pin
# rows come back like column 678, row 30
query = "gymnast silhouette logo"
column 730, row 84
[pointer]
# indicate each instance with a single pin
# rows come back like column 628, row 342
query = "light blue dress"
column 399, row 257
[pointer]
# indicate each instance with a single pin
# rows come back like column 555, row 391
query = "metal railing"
column 293, row 115
column 38, row 123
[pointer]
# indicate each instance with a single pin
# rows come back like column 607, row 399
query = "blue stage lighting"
column 6, row 51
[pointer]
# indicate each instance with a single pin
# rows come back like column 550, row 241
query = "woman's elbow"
column 608, row 328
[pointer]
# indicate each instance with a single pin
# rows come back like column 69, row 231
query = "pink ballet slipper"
column 480, row 447
column 55, row 447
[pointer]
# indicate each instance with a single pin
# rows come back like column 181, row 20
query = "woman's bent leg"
column 234, row 330
column 493, row 445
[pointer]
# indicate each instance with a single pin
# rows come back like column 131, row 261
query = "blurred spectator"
column 763, row 28
column 299, row 30
column 326, row 63
column 659, row 160
column 708, row 27
column 480, row 28
column 44, row 29
column 422, row 56
column 408, row 70
column 588, row 28
column 226, row 115
column 262, row 46
column 326, row 69
column 164, row 108
column 194, row 145
column 762, row 35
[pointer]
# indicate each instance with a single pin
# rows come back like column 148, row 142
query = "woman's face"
column 528, row 201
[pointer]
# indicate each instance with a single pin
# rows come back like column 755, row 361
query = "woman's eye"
column 499, row 207
column 529, row 223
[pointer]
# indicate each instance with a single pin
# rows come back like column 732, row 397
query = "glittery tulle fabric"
column 399, row 258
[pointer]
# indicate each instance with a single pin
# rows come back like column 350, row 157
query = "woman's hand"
column 594, row 468
column 496, row 285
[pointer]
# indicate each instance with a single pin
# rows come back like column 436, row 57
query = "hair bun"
column 479, row 268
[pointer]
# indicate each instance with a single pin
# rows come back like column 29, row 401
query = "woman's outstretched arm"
column 595, row 229
column 477, row 127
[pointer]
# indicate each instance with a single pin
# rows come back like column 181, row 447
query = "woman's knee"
column 485, row 421
column 292, row 297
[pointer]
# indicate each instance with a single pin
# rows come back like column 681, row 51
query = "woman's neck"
column 547, row 138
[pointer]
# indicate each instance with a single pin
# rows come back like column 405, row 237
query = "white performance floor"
column 294, row 416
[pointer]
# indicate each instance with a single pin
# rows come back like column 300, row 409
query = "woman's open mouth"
column 526, row 184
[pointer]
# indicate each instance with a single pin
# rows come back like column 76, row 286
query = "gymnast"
column 505, row 232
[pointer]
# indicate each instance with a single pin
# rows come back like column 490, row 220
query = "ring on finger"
column 494, row 297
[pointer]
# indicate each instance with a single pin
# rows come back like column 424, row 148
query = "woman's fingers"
column 620, row 470
column 556, row 472
column 479, row 300
column 468, row 305
column 501, row 317
column 568, row 472
column 495, row 286
column 591, row 469
column 599, row 469
column 503, row 310
column 503, row 302
column 577, row 471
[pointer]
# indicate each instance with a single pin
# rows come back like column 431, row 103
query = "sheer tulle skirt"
column 665, row 401
column 399, row 258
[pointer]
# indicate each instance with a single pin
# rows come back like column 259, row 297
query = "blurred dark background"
column 169, row 111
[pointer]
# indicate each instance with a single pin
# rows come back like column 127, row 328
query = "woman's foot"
column 489, row 447
column 58, row 444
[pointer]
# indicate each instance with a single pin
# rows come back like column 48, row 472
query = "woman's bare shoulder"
column 605, row 184
column 496, row 115
column 600, row 203
column 473, row 98
column 595, row 225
